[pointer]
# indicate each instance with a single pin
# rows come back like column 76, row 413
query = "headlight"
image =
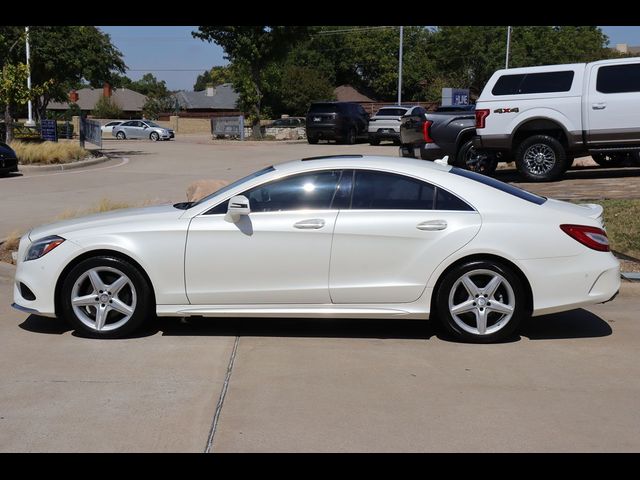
column 42, row 247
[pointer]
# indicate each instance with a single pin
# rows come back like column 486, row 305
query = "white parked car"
column 346, row 236
column 385, row 124
column 108, row 127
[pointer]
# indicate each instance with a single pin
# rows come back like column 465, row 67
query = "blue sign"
column 49, row 130
column 455, row 96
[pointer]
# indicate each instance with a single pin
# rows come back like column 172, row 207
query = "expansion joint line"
column 223, row 393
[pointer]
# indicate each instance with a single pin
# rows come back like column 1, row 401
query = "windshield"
column 234, row 184
column 391, row 112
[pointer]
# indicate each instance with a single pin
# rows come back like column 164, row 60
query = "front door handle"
column 432, row 225
column 312, row 224
column 599, row 106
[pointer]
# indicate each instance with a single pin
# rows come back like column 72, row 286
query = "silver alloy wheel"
column 154, row 136
column 481, row 302
column 539, row 158
column 103, row 298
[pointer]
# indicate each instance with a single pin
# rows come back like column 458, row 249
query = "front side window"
column 313, row 191
column 619, row 78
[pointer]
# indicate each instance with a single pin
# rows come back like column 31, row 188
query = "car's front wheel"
column 154, row 136
column 105, row 297
column 481, row 302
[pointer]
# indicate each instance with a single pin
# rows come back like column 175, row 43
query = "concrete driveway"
column 570, row 383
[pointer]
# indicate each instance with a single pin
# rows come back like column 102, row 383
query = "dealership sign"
column 455, row 96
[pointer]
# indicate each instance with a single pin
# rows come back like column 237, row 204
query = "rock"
column 201, row 188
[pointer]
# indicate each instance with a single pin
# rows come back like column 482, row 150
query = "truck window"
column 527, row 83
column 619, row 78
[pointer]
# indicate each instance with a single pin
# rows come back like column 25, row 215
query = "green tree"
column 107, row 108
column 202, row 81
column 216, row 76
column 154, row 106
column 304, row 85
column 251, row 49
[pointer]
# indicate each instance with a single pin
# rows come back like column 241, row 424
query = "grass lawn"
column 622, row 220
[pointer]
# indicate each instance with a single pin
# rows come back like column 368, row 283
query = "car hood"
column 116, row 220
column 589, row 210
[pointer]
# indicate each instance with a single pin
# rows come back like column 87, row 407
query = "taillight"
column 481, row 117
column 425, row 131
column 592, row 237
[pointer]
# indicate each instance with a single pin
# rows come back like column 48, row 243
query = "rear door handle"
column 599, row 106
column 432, row 225
column 311, row 224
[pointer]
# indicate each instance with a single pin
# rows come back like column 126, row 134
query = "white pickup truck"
column 544, row 117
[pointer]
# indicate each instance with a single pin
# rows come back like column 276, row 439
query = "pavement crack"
column 223, row 393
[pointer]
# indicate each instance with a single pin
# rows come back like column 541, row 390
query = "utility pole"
column 29, row 122
column 506, row 62
column 400, row 68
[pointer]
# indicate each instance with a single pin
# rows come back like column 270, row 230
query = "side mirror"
column 238, row 206
column 145, row 127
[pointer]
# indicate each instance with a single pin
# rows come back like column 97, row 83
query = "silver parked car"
column 108, row 128
column 142, row 129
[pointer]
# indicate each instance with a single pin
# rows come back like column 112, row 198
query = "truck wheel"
column 470, row 159
column 541, row 158
column 609, row 160
column 374, row 141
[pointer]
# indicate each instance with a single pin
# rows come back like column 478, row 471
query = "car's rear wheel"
column 481, row 302
column 154, row 136
column 105, row 297
column 121, row 136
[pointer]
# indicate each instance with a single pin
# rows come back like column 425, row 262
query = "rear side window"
column 619, row 78
column 503, row 187
column 391, row 112
column 527, row 83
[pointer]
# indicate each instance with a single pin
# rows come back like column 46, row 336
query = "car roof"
column 360, row 161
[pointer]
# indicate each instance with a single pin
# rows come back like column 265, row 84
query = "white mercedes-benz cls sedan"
column 345, row 236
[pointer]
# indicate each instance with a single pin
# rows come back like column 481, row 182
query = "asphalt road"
column 571, row 382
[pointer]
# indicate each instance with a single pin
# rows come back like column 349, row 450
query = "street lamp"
column 506, row 62
column 29, row 122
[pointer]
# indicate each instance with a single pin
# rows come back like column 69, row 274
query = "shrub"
column 107, row 108
column 48, row 152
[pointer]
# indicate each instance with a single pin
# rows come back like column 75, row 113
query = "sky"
column 173, row 55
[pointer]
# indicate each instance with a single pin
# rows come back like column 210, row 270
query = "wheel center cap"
column 104, row 298
column 482, row 301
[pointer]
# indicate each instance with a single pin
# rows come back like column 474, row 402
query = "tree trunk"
column 8, row 122
column 256, row 133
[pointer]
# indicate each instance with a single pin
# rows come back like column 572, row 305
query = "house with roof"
column 129, row 101
column 213, row 100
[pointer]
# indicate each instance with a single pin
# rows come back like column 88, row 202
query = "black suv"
column 8, row 159
column 340, row 121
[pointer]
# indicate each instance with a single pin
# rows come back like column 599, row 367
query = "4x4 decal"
column 506, row 110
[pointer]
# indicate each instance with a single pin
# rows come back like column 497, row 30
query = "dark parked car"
column 288, row 122
column 447, row 131
column 8, row 159
column 339, row 121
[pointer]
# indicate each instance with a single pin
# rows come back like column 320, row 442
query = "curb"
column 62, row 166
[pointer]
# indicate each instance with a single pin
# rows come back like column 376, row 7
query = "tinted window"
column 504, row 187
column 128, row 124
column 377, row 190
column 533, row 83
column 619, row 78
column 448, row 201
column 307, row 191
column 391, row 112
column 324, row 108
column 231, row 186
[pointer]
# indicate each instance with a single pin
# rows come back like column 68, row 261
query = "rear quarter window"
column 528, row 83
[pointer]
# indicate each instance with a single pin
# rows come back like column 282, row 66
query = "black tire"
column 608, row 160
column 351, row 136
column 121, row 136
column 481, row 272
column 469, row 159
column 136, row 294
column 312, row 140
column 541, row 158
column 154, row 137
column 374, row 141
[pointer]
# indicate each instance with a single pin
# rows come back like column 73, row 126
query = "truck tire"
column 470, row 159
column 541, row 158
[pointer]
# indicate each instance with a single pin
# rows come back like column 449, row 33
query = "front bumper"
column 8, row 165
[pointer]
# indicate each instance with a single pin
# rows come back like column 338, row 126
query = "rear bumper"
column 326, row 133
column 383, row 133
column 427, row 151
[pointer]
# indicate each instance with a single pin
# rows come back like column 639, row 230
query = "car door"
column 278, row 254
column 397, row 231
column 613, row 104
column 137, row 130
